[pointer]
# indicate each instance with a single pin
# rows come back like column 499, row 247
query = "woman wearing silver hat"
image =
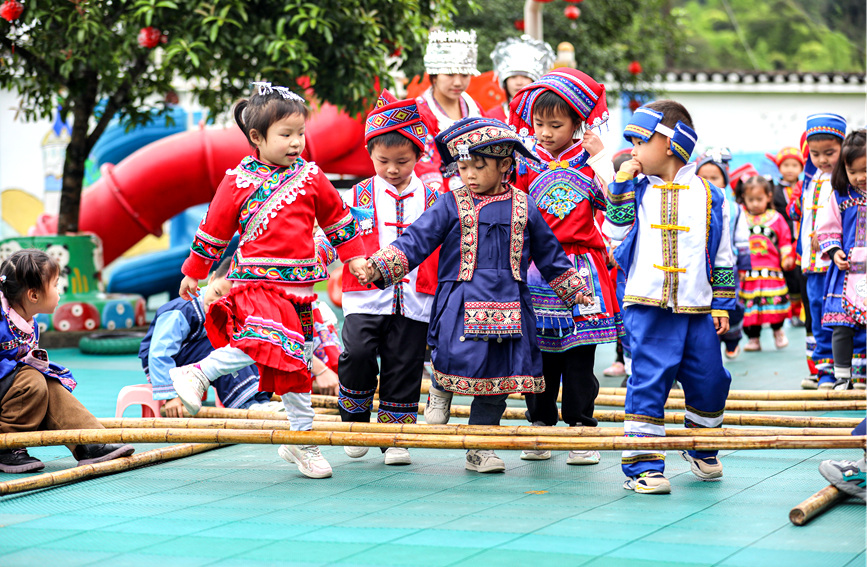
column 517, row 63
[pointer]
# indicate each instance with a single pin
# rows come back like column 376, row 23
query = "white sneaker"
column 484, row 461
column 310, row 461
column 826, row 385
column 397, row 456
column 860, row 386
column 810, row 383
column 437, row 409
column 268, row 406
column 583, row 458
column 190, row 383
column 534, row 455
column 355, row 452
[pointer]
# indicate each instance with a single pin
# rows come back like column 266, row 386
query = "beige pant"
column 35, row 402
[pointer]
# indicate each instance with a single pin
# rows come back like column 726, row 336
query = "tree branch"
column 38, row 63
column 117, row 100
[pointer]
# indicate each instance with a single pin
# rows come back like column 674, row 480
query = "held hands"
column 632, row 167
column 369, row 273
column 327, row 382
column 788, row 263
column 592, row 143
column 840, row 260
column 189, row 288
column 721, row 324
column 358, row 268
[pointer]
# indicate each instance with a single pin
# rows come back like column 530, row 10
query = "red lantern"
column 571, row 12
column 149, row 37
column 542, row 1
column 519, row 25
column 635, row 68
column 11, row 10
column 575, row 1
column 634, row 105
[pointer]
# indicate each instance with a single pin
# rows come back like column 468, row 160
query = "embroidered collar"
column 762, row 218
column 577, row 161
column 414, row 184
column 468, row 108
column 683, row 176
column 14, row 319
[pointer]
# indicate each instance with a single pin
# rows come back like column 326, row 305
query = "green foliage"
column 781, row 35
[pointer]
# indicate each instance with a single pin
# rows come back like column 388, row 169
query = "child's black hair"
column 760, row 180
column 550, row 103
column 673, row 112
column 621, row 159
column 853, row 148
column 222, row 268
column 25, row 270
column 823, row 137
column 392, row 140
column 513, row 176
column 261, row 110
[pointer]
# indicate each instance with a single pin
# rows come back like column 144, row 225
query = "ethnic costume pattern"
column 272, row 332
column 466, row 386
column 207, row 246
column 486, row 319
column 391, row 263
column 280, row 270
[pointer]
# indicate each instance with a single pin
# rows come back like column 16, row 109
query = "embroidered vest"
column 363, row 200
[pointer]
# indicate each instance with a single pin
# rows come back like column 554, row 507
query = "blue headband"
column 646, row 121
column 826, row 123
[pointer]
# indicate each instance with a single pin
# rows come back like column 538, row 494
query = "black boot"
column 90, row 454
column 18, row 461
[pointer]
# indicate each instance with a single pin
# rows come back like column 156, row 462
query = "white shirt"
column 669, row 265
column 374, row 301
column 809, row 221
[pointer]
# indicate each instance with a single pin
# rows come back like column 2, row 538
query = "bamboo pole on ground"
column 454, row 429
column 46, row 480
column 815, row 505
column 275, row 437
column 601, row 415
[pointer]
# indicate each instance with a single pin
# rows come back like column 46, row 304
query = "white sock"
column 841, row 372
column 299, row 411
column 224, row 361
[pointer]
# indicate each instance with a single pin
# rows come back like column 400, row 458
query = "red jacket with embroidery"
column 273, row 209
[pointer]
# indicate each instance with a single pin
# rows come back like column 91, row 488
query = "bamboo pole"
column 455, row 429
column 87, row 436
column 815, row 505
column 781, row 395
column 601, row 415
column 108, row 467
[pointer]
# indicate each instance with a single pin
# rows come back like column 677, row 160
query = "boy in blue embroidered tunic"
column 482, row 331
column 676, row 251
column 177, row 337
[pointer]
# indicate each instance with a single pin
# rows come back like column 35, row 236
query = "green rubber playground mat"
column 244, row 505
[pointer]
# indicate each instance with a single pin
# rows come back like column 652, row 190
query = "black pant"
column 805, row 301
column 400, row 343
column 580, row 387
column 842, row 345
column 755, row 331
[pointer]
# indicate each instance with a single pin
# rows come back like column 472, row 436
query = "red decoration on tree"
column 575, row 1
column 149, row 37
column 635, row 68
column 634, row 105
column 542, row 1
column 571, row 12
column 11, row 10
column 519, row 25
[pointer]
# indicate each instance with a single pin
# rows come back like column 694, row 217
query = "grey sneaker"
column 310, row 461
column 397, row 456
column 484, row 461
column 355, row 452
column 437, row 409
column 708, row 468
column 846, row 476
column 534, row 455
column 191, row 384
column 809, row 383
column 583, row 458
column 651, row 482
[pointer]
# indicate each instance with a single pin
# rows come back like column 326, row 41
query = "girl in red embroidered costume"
column 272, row 199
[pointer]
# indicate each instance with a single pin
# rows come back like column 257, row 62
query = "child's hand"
column 592, row 143
column 327, row 382
column 788, row 263
column 585, row 299
column 814, row 243
column 358, row 268
column 840, row 260
column 721, row 324
column 632, row 167
column 189, row 288
column 173, row 408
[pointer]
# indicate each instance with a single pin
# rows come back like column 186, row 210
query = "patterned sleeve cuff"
column 723, row 283
column 620, row 207
column 392, row 264
column 719, row 313
column 568, row 286
column 828, row 240
column 207, row 246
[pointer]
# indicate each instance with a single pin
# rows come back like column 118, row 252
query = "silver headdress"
column 451, row 53
column 266, row 88
column 522, row 56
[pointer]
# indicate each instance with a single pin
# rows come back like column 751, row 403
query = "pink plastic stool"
column 143, row 395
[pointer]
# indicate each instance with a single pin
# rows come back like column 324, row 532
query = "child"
column 35, row 394
column 271, row 198
column 482, row 336
column 790, row 164
column 850, row 477
column 841, row 232
column 713, row 165
column 177, row 336
column 764, row 292
column 676, row 251
column 568, row 187
column 450, row 61
column 824, row 135
column 517, row 63
column 391, row 323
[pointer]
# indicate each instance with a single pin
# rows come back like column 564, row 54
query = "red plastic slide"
column 135, row 197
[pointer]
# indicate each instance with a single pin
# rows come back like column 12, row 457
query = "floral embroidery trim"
column 516, row 242
column 208, row 246
column 392, row 264
column 277, row 269
column 568, row 285
column 272, row 332
column 469, row 233
column 342, row 231
column 489, row 386
column 492, row 318
column 279, row 190
column 250, row 172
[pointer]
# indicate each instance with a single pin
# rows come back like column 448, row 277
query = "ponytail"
column 25, row 270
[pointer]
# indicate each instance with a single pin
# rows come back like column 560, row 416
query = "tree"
column 107, row 58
